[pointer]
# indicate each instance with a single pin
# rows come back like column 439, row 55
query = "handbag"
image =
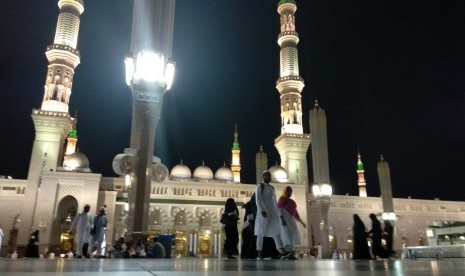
column 225, row 219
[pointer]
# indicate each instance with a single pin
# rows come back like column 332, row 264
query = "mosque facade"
column 187, row 203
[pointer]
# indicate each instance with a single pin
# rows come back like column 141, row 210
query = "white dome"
column 77, row 160
column 203, row 173
column 181, row 171
column 224, row 174
column 278, row 174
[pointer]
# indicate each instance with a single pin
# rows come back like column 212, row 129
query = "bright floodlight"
column 149, row 66
column 320, row 190
column 326, row 190
column 169, row 75
column 129, row 63
column 389, row 216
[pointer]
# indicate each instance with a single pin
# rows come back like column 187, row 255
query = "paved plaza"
column 224, row 267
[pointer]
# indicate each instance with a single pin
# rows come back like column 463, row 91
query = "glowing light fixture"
column 322, row 190
column 149, row 67
column 389, row 216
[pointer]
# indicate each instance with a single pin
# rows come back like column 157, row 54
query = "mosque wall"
column 413, row 217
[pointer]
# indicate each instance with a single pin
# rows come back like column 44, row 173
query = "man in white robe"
column 98, row 232
column 81, row 226
column 267, row 223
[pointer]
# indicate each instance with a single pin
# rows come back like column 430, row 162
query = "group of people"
column 265, row 218
column 137, row 249
column 89, row 231
column 361, row 250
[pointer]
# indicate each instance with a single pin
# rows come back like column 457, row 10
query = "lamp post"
column 149, row 76
column 322, row 193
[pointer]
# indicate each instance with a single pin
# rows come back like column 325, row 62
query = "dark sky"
column 390, row 75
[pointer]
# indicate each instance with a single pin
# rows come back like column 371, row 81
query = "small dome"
column 181, row 171
column 224, row 174
column 77, row 160
column 203, row 173
column 278, row 174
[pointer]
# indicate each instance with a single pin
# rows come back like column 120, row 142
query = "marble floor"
column 225, row 267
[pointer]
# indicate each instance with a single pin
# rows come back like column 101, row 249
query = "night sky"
column 390, row 75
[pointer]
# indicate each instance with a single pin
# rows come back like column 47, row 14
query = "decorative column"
column 261, row 164
column 384, row 175
column 322, row 193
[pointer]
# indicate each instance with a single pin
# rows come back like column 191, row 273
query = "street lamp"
column 149, row 75
column 322, row 193
column 147, row 68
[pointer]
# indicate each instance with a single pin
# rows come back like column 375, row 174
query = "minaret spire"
column 236, row 158
column 289, row 83
column 292, row 144
column 63, row 57
column 362, row 190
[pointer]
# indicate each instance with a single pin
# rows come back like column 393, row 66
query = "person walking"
column 376, row 236
column 32, row 248
column 360, row 250
column 98, row 232
column 389, row 237
column 249, row 241
column 81, row 226
column 290, row 236
column 229, row 219
column 267, row 222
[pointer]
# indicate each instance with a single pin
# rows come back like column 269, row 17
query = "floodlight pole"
column 149, row 73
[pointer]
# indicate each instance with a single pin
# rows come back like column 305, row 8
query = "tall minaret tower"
column 362, row 190
column 292, row 144
column 236, row 158
column 52, row 121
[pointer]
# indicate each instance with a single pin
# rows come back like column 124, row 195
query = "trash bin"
column 167, row 242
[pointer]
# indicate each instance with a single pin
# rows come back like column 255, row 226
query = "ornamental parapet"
column 63, row 47
column 293, row 33
column 288, row 78
column 51, row 113
column 77, row 4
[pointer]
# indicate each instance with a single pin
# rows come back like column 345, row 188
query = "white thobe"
column 265, row 198
column 82, row 224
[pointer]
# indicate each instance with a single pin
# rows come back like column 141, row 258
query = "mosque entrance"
column 61, row 236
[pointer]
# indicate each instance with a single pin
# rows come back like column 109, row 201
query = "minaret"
column 362, row 190
column 384, row 174
column 52, row 121
column 261, row 164
column 319, row 146
column 236, row 158
column 292, row 144
column 71, row 142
